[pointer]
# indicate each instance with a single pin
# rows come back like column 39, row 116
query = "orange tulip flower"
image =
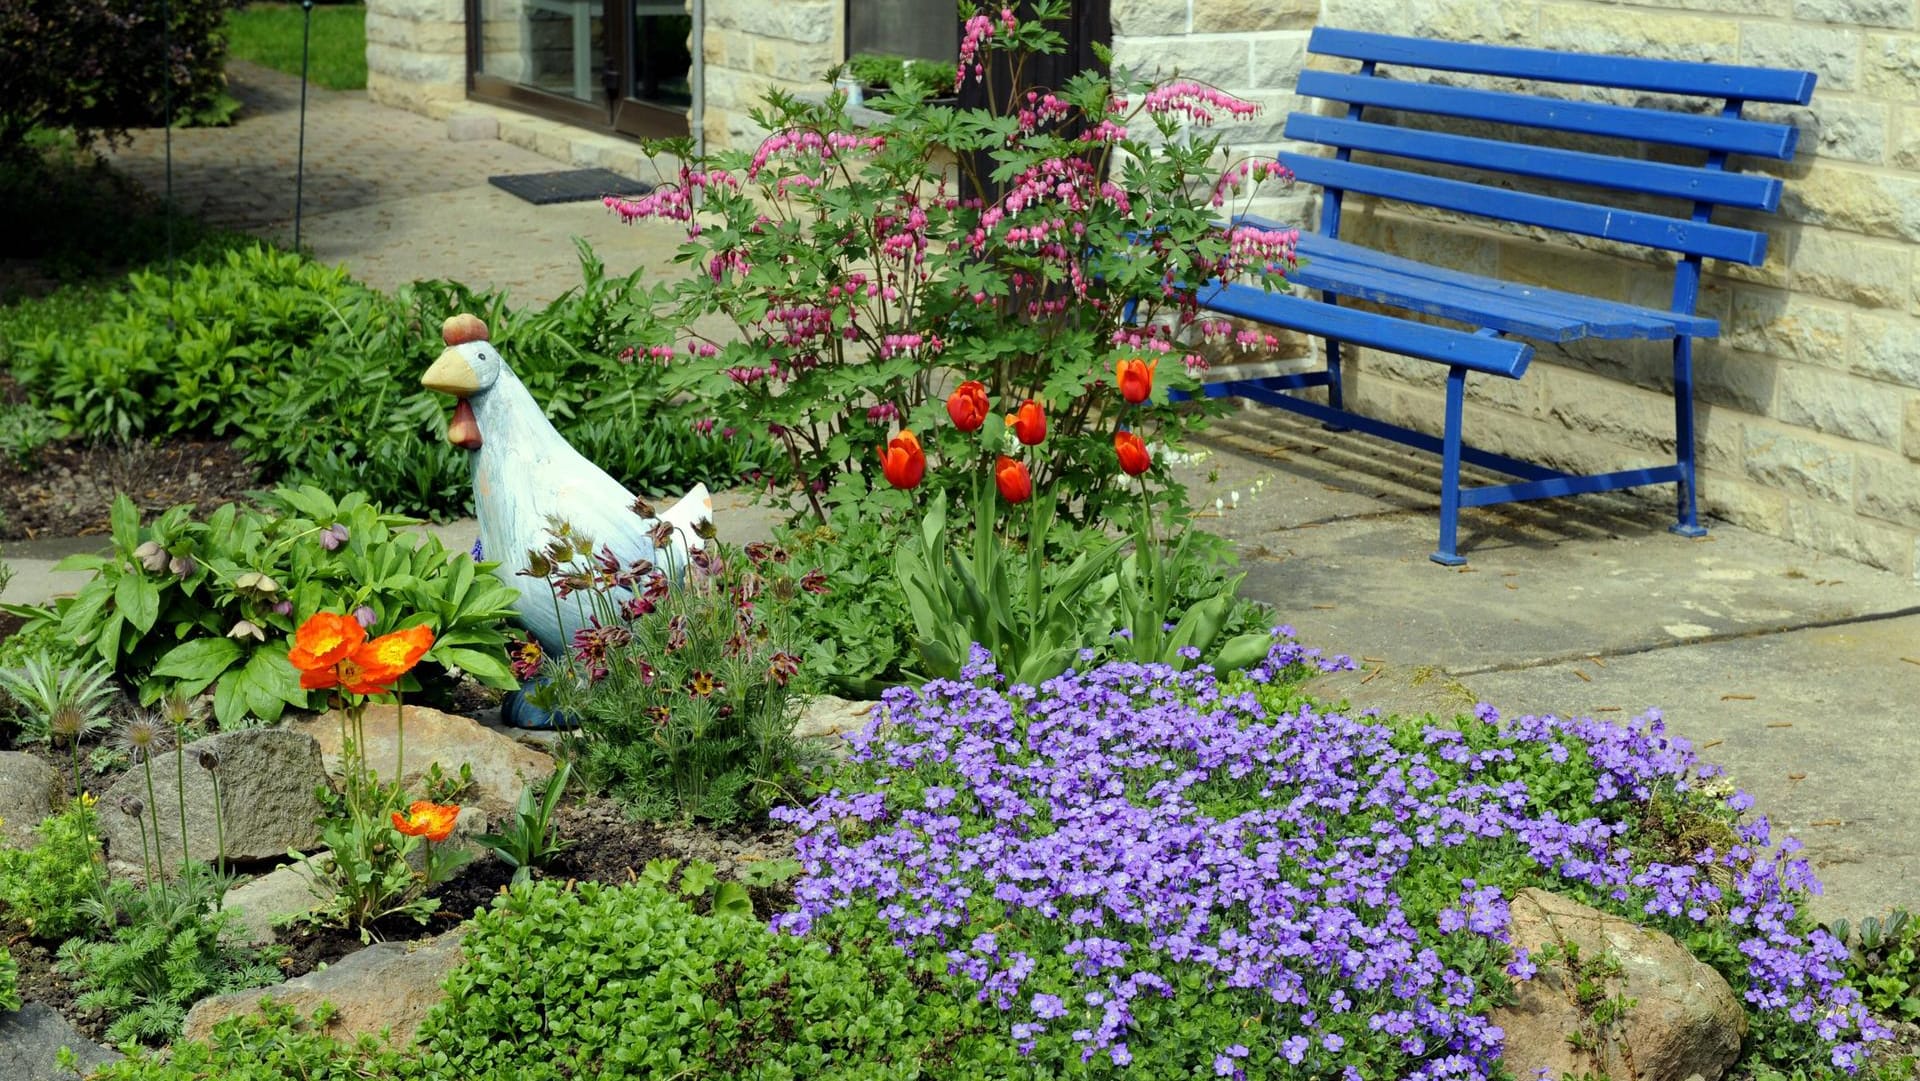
column 903, row 462
column 1029, row 422
column 1135, row 378
column 434, row 821
column 1013, row 480
column 1134, row 459
column 968, row 405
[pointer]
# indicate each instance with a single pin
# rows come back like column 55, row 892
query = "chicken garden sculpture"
column 527, row 478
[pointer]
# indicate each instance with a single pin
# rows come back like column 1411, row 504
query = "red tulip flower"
column 1135, row 378
column 1011, row 477
column 1029, row 422
column 1134, row 459
column 968, row 405
column 903, row 462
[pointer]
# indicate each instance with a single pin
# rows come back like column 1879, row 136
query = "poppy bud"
column 132, row 807
column 1013, row 480
column 968, row 405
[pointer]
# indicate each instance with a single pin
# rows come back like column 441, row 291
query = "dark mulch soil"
column 38, row 981
column 69, row 487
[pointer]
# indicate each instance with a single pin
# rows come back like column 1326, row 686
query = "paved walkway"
column 1798, row 671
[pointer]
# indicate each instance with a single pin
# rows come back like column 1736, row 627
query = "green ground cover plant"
column 44, row 889
column 270, row 35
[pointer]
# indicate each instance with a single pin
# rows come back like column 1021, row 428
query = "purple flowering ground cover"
column 1157, row 874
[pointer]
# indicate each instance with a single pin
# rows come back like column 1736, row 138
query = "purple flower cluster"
column 1086, row 848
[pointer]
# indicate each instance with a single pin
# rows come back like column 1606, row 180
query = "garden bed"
column 66, row 488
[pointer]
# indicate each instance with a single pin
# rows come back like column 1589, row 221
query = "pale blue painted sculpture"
column 525, row 476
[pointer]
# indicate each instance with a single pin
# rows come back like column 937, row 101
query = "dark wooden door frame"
column 627, row 116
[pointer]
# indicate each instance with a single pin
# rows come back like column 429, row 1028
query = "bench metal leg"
column 1336, row 395
column 1446, row 555
column 1687, row 512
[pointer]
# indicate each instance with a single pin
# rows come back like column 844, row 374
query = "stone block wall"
column 751, row 46
column 416, row 53
column 1809, row 404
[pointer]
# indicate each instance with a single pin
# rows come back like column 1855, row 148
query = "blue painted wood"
column 1589, row 69
column 1325, row 252
column 1586, row 118
column 1507, row 358
column 1748, row 191
column 1650, row 230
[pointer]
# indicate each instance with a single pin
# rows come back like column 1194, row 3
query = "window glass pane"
column 661, row 62
column 923, row 29
column 555, row 45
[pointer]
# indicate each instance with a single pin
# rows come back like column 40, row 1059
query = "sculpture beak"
column 451, row 374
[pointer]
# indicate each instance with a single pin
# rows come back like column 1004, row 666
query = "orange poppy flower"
column 1029, row 422
column 332, row 651
column 1013, row 480
column 324, row 640
column 434, row 821
column 391, row 656
column 1135, row 377
column 902, row 461
column 968, row 405
column 1134, row 459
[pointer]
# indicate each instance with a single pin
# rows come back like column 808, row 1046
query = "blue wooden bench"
column 1498, row 311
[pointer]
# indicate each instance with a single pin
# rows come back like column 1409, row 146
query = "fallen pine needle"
column 1911, row 660
column 1606, row 709
column 1780, row 724
column 1736, row 698
column 1324, row 607
column 1829, row 822
column 1711, row 744
column 1371, row 676
column 1510, row 585
column 1796, row 776
column 1601, row 661
column 1374, row 660
column 1585, row 677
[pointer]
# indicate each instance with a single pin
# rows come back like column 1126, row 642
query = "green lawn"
column 269, row 34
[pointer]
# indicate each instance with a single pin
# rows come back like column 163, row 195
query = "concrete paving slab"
column 1816, row 724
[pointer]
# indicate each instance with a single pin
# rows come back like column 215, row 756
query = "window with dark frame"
column 916, row 29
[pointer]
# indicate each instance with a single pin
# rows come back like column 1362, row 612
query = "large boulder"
column 384, row 990
column 28, row 787
column 283, row 894
column 30, row 1041
column 269, row 779
column 1684, row 1020
column 502, row 767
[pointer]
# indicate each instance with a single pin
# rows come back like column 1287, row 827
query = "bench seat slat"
column 1621, row 72
column 1585, row 118
column 1746, row 190
column 1340, row 260
column 1494, row 356
column 1588, row 219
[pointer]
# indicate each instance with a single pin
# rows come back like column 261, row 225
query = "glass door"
column 612, row 65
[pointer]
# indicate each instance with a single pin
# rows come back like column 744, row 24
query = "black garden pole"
column 300, row 160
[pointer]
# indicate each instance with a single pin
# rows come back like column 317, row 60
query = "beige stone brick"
column 1772, row 271
column 1558, row 267
column 1743, row 503
column 1729, row 377
column 1904, row 149
column 1833, row 52
column 1894, row 13
column 782, row 61
column 1889, row 489
column 1854, row 200
column 1890, row 66
column 1733, row 7
column 1455, row 20
column 808, row 22
column 1277, row 59
column 1132, row 18
column 1910, row 430
column 1836, row 128
column 1784, row 325
column 1781, row 458
column 1248, row 16
column 1887, row 349
column 1840, row 405
column 1224, row 62
column 1850, row 268
column 1638, row 32
column 1626, row 415
column 1839, row 531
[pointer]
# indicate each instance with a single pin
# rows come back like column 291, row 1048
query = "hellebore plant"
column 370, row 840
column 1031, row 242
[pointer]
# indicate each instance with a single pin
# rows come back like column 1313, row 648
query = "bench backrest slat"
column 1651, row 230
column 1620, row 72
column 1745, row 190
column 1585, row 118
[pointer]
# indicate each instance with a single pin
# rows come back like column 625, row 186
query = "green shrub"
column 274, row 1044
column 103, row 66
column 44, row 889
column 186, row 604
column 629, row 982
column 9, row 981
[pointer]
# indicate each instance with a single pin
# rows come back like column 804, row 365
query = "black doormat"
column 568, row 186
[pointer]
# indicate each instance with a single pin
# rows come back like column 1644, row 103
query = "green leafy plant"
column 700, row 880
column 527, row 841
column 195, row 605
column 272, row 1043
column 1884, row 962
column 9, row 981
column 884, row 71
column 26, row 430
column 683, row 698
column 55, row 699
column 167, row 947
column 44, row 890
column 856, row 637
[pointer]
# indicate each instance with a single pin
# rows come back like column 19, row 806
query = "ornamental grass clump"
column 1155, row 870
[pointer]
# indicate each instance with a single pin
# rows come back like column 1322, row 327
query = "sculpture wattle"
column 464, row 429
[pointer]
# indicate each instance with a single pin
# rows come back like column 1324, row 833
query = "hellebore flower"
column 1011, row 477
column 247, row 628
column 1135, row 378
column 365, row 616
column 1134, row 459
column 151, row 556
column 434, row 821
column 903, row 462
column 968, row 405
column 1029, row 422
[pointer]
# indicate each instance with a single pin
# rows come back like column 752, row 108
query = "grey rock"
column 284, row 893
column 829, row 715
column 268, row 780
column 502, row 767
column 30, row 1041
column 384, row 990
column 27, row 790
column 1685, row 1022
